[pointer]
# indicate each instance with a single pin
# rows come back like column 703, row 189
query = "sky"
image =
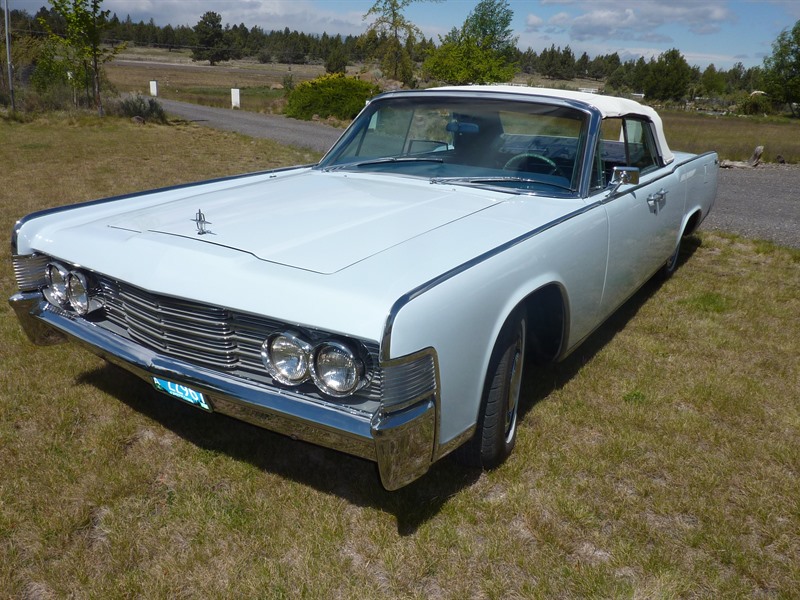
column 719, row 32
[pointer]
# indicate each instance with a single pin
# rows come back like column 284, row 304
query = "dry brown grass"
column 733, row 137
column 661, row 460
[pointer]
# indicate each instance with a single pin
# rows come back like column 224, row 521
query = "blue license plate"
column 181, row 392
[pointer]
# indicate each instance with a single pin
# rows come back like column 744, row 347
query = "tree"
column 390, row 22
column 489, row 25
column 713, row 81
column 668, row 77
column 336, row 61
column 211, row 43
column 80, row 46
column 782, row 69
column 482, row 51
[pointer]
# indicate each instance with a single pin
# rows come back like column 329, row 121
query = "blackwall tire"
column 496, row 433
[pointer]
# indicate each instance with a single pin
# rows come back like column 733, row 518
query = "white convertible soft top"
column 609, row 106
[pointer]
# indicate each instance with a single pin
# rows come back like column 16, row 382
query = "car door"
column 643, row 219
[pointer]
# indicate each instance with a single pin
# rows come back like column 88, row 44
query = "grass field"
column 661, row 460
column 733, row 137
column 180, row 79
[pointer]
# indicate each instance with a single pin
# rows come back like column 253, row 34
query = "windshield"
column 519, row 145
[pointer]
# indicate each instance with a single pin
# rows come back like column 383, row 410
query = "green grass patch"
column 661, row 460
column 733, row 137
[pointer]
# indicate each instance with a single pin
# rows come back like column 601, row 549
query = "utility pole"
column 8, row 60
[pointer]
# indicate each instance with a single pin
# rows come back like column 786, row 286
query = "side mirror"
column 623, row 176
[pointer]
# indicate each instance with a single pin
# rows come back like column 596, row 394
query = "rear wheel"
column 496, row 434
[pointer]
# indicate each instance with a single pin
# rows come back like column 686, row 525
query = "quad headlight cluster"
column 336, row 368
column 70, row 289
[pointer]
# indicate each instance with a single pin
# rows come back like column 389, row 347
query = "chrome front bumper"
column 403, row 443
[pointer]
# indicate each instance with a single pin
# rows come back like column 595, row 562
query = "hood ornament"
column 200, row 221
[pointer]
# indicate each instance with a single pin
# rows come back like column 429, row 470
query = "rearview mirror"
column 623, row 176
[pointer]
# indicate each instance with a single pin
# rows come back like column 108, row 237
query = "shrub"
column 329, row 95
column 288, row 84
column 756, row 104
column 148, row 109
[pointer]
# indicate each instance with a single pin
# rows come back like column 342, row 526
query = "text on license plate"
column 182, row 392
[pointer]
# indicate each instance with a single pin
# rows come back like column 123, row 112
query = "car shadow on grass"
column 543, row 380
column 333, row 472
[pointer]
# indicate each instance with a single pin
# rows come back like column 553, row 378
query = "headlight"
column 56, row 291
column 286, row 358
column 336, row 369
column 80, row 294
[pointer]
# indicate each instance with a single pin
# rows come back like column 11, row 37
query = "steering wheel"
column 516, row 162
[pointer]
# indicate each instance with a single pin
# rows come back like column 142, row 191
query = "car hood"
column 319, row 222
column 332, row 250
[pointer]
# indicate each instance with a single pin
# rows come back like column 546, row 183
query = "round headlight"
column 286, row 358
column 78, row 292
column 56, row 290
column 336, row 369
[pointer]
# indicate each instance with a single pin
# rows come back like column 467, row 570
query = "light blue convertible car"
column 384, row 301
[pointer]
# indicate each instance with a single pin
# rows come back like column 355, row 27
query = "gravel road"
column 760, row 203
column 303, row 134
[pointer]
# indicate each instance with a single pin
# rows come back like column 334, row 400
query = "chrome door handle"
column 657, row 201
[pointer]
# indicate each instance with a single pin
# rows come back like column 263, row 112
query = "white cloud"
column 533, row 23
column 606, row 20
column 559, row 23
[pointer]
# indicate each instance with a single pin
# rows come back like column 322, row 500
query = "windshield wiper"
column 496, row 179
column 387, row 159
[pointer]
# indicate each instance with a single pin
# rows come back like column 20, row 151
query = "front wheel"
column 671, row 265
column 496, row 433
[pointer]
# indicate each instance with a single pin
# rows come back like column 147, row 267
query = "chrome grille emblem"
column 200, row 221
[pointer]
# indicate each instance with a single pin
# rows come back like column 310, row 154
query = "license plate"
column 181, row 392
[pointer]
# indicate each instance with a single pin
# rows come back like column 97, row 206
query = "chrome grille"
column 202, row 334
column 186, row 330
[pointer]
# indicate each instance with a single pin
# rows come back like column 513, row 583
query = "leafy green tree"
column 212, row 44
column 782, row 69
column 669, row 77
column 597, row 68
column 489, row 25
column 482, row 51
column 80, row 47
column 390, row 22
column 713, row 81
